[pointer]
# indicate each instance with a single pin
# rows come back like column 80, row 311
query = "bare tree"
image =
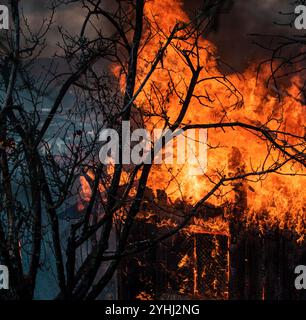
column 52, row 111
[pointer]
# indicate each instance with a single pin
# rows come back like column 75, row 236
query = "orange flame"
column 277, row 200
column 243, row 98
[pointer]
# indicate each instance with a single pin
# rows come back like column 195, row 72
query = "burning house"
column 222, row 256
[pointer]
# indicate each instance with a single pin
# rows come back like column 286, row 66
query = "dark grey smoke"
column 232, row 37
column 235, row 44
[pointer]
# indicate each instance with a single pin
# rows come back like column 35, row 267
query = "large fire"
column 277, row 199
column 243, row 98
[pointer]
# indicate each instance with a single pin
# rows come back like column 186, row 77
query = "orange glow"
column 85, row 193
column 275, row 200
column 243, row 98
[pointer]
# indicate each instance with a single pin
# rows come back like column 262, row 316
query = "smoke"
column 68, row 18
column 233, row 37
